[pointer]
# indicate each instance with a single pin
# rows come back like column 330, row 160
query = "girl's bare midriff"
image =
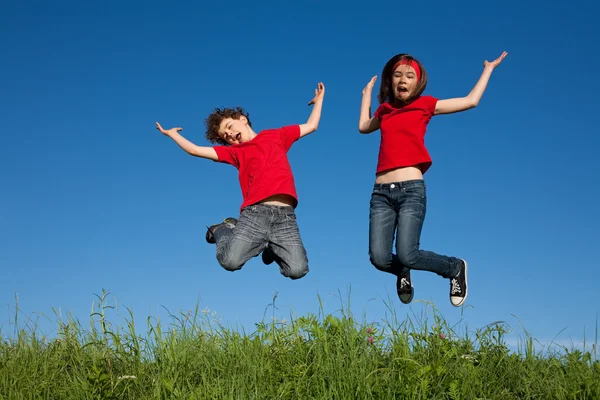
column 279, row 200
column 399, row 175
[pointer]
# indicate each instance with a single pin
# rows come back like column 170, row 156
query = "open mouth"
column 238, row 137
column 402, row 89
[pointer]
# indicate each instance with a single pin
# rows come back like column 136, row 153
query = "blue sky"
column 93, row 197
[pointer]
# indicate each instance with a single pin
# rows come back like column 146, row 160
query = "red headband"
column 412, row 63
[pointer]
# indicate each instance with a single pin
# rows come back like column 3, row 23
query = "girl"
column 398, row 201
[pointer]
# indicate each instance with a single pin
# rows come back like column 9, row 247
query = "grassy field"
column 320, row 356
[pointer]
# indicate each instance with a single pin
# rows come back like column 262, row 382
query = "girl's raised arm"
column 458, row 104
column 366, row 124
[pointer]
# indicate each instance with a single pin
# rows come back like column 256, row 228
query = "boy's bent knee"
column 230, row 263
column 297, row 273
column 296, row 270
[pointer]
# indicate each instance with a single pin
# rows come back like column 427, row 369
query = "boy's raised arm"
column 187, row 146
column 315, row 116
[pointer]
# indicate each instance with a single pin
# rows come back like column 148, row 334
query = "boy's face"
column 235, row 131
column 404, row 82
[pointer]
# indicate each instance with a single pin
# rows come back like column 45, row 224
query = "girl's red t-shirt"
column 403, row 134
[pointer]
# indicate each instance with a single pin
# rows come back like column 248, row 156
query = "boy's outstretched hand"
column 167, row 132
column 319, row 93
column 495, row 63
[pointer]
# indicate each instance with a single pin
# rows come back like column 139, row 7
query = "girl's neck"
column 401, row 103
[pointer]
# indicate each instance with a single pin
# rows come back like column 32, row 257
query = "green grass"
column 320, row 356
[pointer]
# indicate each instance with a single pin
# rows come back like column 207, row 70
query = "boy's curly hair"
column 386, row 91
column 213, row 122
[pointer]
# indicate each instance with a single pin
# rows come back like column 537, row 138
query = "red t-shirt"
column 264, row 169
column 403, row 134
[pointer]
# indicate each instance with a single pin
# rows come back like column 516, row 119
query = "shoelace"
column 455, row 286
column 404, row 283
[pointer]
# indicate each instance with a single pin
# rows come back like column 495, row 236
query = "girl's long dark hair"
column 386, row 91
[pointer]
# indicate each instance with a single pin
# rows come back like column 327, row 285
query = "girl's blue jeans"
column 398, row 209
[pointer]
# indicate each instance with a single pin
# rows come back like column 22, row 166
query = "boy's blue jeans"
column 258, row 225
column 399, row 208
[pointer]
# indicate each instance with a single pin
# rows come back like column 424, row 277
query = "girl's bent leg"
column 382, row 226
column 410, row 223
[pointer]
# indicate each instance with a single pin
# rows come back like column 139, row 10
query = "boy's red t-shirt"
column 264, row 169
column 403, row 134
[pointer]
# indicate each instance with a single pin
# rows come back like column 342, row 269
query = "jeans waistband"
column 276, row 208
column 399, row 185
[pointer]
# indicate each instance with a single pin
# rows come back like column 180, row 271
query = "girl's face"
column 404, row 82
column 235, row 131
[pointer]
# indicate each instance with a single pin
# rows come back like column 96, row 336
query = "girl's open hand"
column 495, row 63
column 167, row 132
column 319, row 94
column 369, row 88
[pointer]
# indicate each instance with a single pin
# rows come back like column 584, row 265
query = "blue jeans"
column 399, row 208
column 258, row 225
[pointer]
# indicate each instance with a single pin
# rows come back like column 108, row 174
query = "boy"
column 267, row 221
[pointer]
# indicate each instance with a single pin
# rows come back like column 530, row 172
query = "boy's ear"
column 244, row 119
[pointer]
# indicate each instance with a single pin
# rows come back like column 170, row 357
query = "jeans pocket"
column 291, row 216
column 253, row 210
column 416, row 191
column 377, row 193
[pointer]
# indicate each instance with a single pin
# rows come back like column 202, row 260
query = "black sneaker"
column 267, row 255
column 458, row 286
column 210, row 237
column 405, row 289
